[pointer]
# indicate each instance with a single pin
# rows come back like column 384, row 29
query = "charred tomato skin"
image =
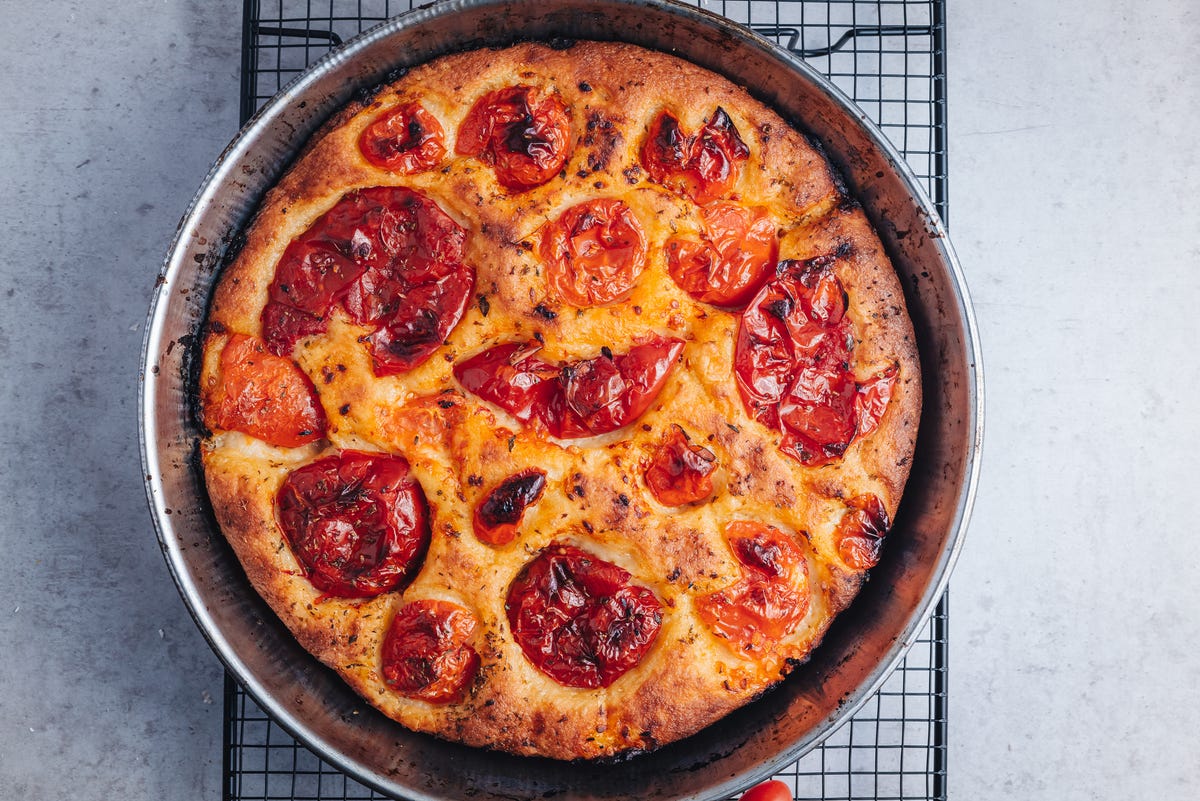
column 704, row 166
column 357, row 522
column 406, row 139
column 579, row 619
column 523, row 132
column 499, row 513
column 860, row 532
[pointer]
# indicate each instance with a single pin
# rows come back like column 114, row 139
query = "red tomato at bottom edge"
column 774, row 790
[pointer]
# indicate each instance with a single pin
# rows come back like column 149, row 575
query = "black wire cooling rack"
column 889, row 56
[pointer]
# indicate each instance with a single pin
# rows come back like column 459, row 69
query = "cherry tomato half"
column 704, row 166
column 499, row 514
column 513, row 378
column 773, row 790
column 770, row 599
column 357, row 522
column 679, row 472
column 873, row 397
column 427, row 653
column 576, row 399
column 523, row 133
column 263, row 395
column 735, row 257
column 579, row 619
column 792, row 363
column 392, row 259
column 406, row 139
column 860, row 532
column 594, row 252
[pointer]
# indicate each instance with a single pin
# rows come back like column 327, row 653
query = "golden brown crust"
column 595, row 495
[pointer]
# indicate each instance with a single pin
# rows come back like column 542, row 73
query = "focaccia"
column 559, row 398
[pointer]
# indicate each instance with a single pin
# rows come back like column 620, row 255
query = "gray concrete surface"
column 1074, row 667
column 111, row 115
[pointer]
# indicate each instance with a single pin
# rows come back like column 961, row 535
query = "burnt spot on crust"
column 576, row 486
column 601, row 135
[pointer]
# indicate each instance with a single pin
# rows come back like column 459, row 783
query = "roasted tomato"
column 406, row 139
column 392, row 259
column 873, row 397
column 773, row 790
column 792, row 363
column 513, row 378
column 735, row 257
column 263, row 395
column 769, row 600
column 578, row 618
column 357, row 522
column 427, row 653
column 860, row 532
column 523, row 133
column 704, row 166
column 499, row 514
column 679, row 472
column 576, row 399
column 594, row 252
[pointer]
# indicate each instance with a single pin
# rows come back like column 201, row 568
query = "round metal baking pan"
column 863, row 645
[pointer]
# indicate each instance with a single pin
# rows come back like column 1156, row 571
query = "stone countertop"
column 1075, row 211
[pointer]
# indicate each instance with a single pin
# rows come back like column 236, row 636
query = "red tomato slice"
column 860, row 532
column 792, row 363
column 406, row 139
column 392, row 259
column 357, row 522
column 427, row 653
column 594, row 252
column 579, row 619
column 873, row 397
column 523, row 134
column 773, row 790
column 817, row 414
column 667, row 149
column 705, row 166
column 576, row 399
column 263, row 395
column 679, row 472
column 770, row 599
column 737, row 255
column 717, row 158
column 511, row 377
column 498, row 515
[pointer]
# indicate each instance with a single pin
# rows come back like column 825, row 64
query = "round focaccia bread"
column 558, row 398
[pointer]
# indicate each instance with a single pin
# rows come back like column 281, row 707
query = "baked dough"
column 460, row 447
